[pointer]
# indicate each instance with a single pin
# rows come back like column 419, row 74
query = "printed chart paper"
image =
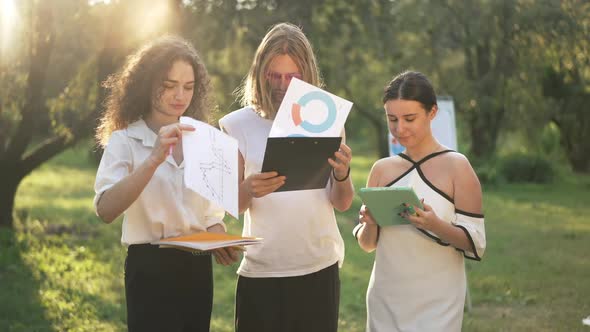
column 211, row 164
column 308, row 111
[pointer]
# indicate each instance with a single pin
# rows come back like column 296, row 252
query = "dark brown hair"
column 411, row 85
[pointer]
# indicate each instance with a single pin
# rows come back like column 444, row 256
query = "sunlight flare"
column 152, row 18
column 8, row 19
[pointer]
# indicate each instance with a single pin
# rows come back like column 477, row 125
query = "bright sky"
column 8, row 20
column 148, row 17
column 8, row 15
column 94, row 2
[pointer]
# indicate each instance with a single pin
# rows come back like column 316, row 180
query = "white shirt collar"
column 139, row 130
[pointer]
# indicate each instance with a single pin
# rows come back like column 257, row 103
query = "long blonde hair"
column 138, row 85
column 281, row 39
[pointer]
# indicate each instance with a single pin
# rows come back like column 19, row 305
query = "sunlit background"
column 518, row 72
column 8, row 27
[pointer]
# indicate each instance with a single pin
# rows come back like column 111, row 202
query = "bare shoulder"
column 458, row 165
column 459, row 162
column 468, row 194
column 387, row 169
column 393, row 162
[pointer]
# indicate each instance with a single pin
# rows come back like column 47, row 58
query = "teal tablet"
column 385, row 203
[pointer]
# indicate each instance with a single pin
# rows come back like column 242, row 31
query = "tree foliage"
column 52, row 99
column 511, row 66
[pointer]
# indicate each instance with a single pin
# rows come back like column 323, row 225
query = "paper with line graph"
column 211, row 164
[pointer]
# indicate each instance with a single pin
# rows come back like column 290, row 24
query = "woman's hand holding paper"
column 224, row 256
column 168, row 137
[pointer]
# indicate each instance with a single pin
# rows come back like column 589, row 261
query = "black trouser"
column 167, row 289
column 306, row 303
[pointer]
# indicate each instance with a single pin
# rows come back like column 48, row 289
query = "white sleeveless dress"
column 418, row 282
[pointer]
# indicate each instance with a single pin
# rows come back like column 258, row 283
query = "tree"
column 45, row 118
column 567, row 78
column 357, row 58
column 484, row 35
column 228, row 44
column 22, row 150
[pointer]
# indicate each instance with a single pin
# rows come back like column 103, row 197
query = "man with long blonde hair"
column 290, row 282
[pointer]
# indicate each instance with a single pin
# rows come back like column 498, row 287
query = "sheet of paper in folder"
column 309, row 111
column 305, row 133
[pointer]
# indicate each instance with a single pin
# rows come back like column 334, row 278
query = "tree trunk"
column 20, row 158
column 383, row 143
column 11, row 178
column 380, row 132
column 485, row 126
column 580, row 162
column 483, row 144
column 574, row 126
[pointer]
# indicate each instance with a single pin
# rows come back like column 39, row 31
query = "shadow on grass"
column 61, row 276
column 21, row 306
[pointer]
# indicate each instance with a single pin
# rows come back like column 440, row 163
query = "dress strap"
column 406, row 157
column 430, row 156
column 416, row 166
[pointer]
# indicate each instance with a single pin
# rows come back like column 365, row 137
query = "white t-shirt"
column 299, row 227
column 166, row 207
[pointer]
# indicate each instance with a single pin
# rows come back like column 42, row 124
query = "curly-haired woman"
column 141, row 176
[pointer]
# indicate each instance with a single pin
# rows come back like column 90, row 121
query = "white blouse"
column 166, row 207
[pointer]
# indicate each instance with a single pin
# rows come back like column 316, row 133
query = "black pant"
column 307, row 303
column 167, row 289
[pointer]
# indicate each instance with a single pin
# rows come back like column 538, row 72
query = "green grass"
column 61, row 269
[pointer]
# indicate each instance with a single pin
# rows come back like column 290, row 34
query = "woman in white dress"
column 418, row 281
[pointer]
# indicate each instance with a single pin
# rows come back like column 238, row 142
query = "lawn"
column 61, row 269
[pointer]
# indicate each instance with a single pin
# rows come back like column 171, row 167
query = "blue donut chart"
column 330, row 105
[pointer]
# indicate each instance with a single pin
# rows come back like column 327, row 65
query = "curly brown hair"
column 136, row 88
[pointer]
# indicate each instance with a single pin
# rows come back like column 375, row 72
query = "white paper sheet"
column 211, row 164
column 207, row 245
column 307, row 110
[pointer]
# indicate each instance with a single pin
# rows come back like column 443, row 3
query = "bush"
column 523, row 167
column 487, row 173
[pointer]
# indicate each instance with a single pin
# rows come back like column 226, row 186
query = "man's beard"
column 277, row 98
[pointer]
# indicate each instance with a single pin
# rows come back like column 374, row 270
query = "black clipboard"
column 303, row 160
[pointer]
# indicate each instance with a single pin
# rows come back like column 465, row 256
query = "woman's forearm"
column 452, row 235
column 115, row 200
column 367, row 237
